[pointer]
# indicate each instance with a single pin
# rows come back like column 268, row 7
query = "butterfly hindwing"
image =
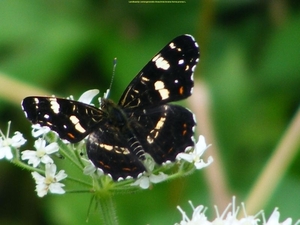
column 111, row 152
column 164, row 131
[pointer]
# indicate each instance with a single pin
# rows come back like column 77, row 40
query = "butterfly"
column 142, row 122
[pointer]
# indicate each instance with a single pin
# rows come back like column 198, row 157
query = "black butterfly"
column 142, row 122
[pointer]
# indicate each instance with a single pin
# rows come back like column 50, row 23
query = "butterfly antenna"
column 112, row 77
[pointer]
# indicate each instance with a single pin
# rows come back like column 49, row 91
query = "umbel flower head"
column 229, row 217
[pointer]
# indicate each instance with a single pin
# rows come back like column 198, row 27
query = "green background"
column 250, row 53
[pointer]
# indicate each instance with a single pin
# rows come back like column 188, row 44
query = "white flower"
column 50, row 182
column 38, row 130
column 194, row 156
column 105, row 95
column 41, row 154
column 230, row 217
column 7, row 143
column 274, row 219
column 145, row 180
column 197, row 218
column 90, row 169
column 88, row 96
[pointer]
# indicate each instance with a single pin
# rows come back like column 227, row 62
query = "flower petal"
column 61, row 175
column 158, row 178
column 89, row 169
column 50, row 170
column 201, row 164
column 51, row 148
column 38, row 130
column 38, row 177
column 18, row 140
column 57, row 188
column 185, row 156
column 46, row 159
column 39, row 143
column 88, row 96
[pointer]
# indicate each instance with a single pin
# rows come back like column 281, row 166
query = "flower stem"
column 79, row 181
column 17, row 162
column 107, row 209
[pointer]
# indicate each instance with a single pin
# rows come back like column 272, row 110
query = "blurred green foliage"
column 250, row 53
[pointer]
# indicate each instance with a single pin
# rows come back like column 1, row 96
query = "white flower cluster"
column 42, row 155
column 229, row 217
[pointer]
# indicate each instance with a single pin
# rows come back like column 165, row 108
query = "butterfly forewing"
column 167, row 77
column 72, row 120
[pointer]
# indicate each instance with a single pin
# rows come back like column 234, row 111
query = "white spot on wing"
column 155, row 132
column 145, row 79
column 74, row 119
column 160, row 62
column 192, row 90
column 119, row 150
column 36, row 100
column 164, row 94
column 172, row 45
column 54, row 105
column 160, row 86
column 193, row 68
column 106, row 147
column 78, row 126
